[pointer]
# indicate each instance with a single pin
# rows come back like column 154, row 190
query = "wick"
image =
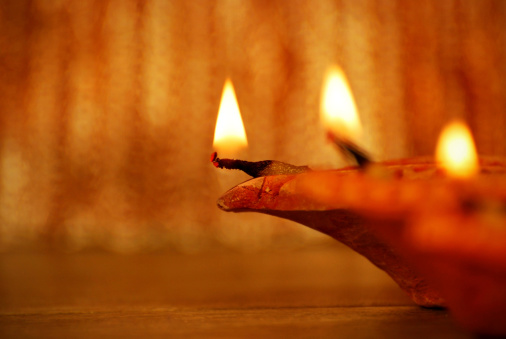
column 257, row 168
column 352, row 150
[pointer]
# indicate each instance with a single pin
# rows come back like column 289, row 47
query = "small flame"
column 338, row 110
column 456, row 151
column 229, row 135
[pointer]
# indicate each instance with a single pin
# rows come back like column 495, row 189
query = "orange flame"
column 337, row 109
column 456, row 151
column 229, row 134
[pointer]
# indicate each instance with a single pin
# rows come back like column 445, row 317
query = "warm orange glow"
column 338, row 110
column 456, row 151
column 229, row 135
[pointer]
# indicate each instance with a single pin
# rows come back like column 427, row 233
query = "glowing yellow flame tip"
column 229, row 134
column 456, row 151
column 338, row 109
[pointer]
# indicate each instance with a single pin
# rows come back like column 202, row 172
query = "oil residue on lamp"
column 339, row 114
column 456, row 152
column 229, row 134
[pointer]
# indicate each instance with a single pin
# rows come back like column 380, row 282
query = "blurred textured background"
column 108, row 107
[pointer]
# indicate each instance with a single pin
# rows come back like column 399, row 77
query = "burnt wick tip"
column 215, row 160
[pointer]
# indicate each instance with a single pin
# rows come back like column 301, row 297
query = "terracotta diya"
column 438, row 228
column 442, row 240
column 286, row 196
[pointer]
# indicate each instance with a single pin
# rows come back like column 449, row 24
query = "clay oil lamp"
column 437, row 226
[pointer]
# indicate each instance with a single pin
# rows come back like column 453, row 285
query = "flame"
column 338, row 110
column 229, row 135
column 456, row 151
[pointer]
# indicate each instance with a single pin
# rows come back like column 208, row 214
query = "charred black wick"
column 258, row 168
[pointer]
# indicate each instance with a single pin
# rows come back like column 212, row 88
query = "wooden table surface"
column 311, row 293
